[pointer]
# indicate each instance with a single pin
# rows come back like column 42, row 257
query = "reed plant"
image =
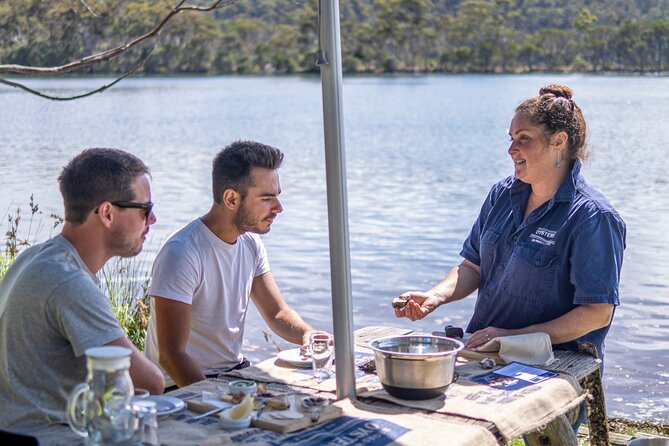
column 16, row 239
column 126, row 282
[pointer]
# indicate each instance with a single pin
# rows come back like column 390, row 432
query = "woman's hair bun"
column 559, row 91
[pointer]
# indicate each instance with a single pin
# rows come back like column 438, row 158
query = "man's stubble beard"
column 125, row 247
column 245, row 223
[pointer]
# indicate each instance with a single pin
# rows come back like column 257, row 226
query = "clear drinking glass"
column 146, row 419
column 321, row 347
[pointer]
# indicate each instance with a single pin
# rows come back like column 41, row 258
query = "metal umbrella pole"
column 329, row 60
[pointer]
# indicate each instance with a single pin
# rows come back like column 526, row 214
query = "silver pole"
column 329, row 59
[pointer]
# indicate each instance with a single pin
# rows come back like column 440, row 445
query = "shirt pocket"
column 531, row 272
column 488, row 245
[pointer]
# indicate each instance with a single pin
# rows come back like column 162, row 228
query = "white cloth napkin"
column 531, row 348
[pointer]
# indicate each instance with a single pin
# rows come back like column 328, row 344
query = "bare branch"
column 89, row 8
column 136, row 67
column 113, row 52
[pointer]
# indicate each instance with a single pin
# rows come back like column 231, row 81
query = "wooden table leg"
column 557, row 433
column 596, row 406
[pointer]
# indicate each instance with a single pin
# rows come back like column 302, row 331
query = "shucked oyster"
column 400, row 302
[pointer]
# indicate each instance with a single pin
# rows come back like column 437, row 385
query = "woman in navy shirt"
column 546, row 250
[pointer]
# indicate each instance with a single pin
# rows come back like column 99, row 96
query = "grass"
column 631, row 427
column 619, row 426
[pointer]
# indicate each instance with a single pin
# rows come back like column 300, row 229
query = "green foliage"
column 126, row 282
column 281, row 36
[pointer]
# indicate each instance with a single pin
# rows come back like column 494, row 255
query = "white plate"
column 295, row 358
column 166, row 405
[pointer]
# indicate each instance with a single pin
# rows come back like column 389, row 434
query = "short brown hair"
column 95, row 176
column 556, row 111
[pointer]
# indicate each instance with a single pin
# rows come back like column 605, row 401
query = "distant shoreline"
column 406, row 73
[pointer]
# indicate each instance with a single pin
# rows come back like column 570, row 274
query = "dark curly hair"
column 556, row 111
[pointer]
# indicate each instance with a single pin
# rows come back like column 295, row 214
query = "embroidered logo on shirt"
column 543, row 236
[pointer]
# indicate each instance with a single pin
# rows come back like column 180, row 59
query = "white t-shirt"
column 215, row 278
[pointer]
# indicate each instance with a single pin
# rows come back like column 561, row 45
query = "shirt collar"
column 567, row 189
column 65, row 243
column 565, row 192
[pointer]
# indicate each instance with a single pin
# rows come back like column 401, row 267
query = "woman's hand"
column 419, row 305
column 481, row 337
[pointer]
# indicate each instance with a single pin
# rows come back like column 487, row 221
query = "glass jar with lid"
column 100, row 408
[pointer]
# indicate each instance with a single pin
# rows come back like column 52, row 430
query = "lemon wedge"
column 242, row 410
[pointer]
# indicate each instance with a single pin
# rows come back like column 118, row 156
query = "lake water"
column 421, row 152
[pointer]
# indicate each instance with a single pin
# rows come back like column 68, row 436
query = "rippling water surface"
column 421, row 154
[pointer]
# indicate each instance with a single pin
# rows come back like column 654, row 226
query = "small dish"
column 314, row 405
column 165, row 405
column 314, row 401
column 242, row 423
column 243, row 386
column 228, row 423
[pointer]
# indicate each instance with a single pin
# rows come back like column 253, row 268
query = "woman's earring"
column 558, row 165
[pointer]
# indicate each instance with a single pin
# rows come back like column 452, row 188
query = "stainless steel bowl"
column 416, row 367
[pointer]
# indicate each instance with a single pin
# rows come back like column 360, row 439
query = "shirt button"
column 500, row 268
column 486, row 296
column 515, row 238
column 537, row 262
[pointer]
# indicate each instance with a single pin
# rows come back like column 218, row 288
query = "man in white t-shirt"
column 206, row 273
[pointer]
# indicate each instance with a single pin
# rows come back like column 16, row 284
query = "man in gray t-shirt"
column 54, row 313
column 51, row 307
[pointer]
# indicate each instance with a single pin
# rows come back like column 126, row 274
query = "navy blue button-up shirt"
column 568, row 252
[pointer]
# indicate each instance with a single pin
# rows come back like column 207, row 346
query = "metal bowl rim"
column 459, row 346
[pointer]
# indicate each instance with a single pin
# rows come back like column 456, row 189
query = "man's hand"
column 418, row 305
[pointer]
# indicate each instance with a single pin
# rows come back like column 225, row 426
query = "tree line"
column 378, row 36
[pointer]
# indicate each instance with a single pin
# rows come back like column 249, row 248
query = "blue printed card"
column 514, row 376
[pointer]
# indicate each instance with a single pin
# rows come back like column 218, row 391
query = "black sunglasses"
column 147, row 207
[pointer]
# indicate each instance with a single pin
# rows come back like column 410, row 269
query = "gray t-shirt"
column 51, row 311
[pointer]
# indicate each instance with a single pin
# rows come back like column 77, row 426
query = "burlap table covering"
column 388, row 425
column 273, row 370
column 360, row 424
column 514, row 412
